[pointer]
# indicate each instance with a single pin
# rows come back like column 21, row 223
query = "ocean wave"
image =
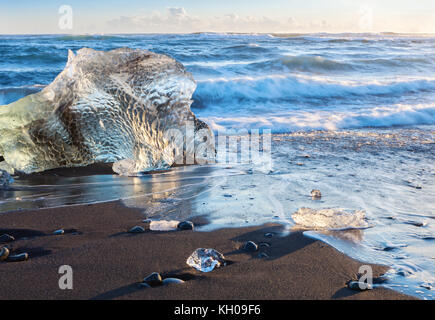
column 390, row 116
column 83, row 37
column 283, row 88
column 319, row 64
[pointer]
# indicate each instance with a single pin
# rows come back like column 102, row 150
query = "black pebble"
column 185, row 225
column 250, row 246
column 264, row 244
column 154, row 279
column 6, row 238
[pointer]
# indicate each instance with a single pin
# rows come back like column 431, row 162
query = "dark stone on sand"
column 316, row 194
column 264, row 244
column 18, row 257
column 359, row 286
column 136, row 229
column 263, row 255
column 154, row 279
column 250, row 246
column 4, row 253
column 6, row 238
column 58, row 232
column 169, row 281
column 186, row 225
column 268, row 235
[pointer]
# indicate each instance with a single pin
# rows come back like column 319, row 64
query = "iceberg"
column 106, row 107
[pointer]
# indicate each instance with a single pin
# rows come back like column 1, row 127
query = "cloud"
column 178, row 20
column 173, row 19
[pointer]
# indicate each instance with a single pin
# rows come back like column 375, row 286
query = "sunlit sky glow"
column 172, row 16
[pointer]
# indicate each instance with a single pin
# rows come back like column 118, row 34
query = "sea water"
column 352, row 115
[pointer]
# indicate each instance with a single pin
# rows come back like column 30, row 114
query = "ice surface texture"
column 205, row 260
column 331, row 218
column 104, row 107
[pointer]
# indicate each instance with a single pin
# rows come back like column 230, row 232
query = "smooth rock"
column 4, row 254
column 18, row 257
column 250, row 246
column 58, row 232
column 316, row 194
column 268, row 235
column 186, row 225
column 205, row 260
column 137, row 229
column 154, row 279
column 169, row 281
column 359, row 286
column 264, row 244
column 6, row 238
column 263, row 255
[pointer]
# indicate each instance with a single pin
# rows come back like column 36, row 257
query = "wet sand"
column 108, row 262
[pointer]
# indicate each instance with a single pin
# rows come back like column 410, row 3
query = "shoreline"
column 109, row 263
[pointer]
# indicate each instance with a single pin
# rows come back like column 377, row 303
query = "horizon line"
column 217, row 32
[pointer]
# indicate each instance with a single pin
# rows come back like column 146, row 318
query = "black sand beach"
column 109, row 263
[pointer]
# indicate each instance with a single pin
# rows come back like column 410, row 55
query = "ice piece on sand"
column 206, row 260
column 164, row 225
column 331, row 218
column 5, row 179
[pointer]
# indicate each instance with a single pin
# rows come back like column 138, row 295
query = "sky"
column 186, row 16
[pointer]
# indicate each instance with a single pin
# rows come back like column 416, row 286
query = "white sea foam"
column 396, row 115
column 331, row 219
column 281, row 87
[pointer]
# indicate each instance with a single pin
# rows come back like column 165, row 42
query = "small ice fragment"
column 164, row 225
column 126, row 167
column 333, row 219
column 205, row 260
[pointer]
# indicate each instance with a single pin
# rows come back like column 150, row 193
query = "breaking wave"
column 282, row 87
column 396, row 115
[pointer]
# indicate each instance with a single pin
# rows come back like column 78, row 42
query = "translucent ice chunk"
column 128, row 107
column 5, row 179
column 330, row 218
column 206, row 260
column 164, row 225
